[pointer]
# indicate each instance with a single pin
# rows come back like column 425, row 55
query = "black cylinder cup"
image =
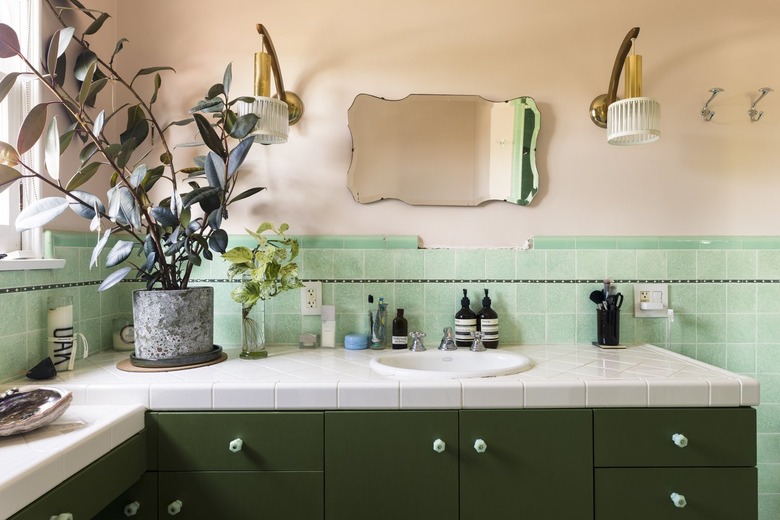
column 608, row 326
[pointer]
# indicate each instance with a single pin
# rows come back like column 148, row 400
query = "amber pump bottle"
column 487, row 323
column 465, row 323
column 400, row 331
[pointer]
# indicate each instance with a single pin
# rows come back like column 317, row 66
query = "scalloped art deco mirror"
column 443, row 150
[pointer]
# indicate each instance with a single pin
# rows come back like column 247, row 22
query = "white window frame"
column 25, row 17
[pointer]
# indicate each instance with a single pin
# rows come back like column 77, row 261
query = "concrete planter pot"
column 173, row 327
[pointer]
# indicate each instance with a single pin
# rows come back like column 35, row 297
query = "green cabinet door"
column 526, row 464
column 383, row 465
column 646, row 493
column 240, row 495
column 139, row 502
column 87, row 492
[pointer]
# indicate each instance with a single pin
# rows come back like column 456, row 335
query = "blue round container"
column 355, row 341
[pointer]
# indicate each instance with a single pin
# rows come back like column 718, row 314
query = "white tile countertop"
column 563, row 376
column 35, row 462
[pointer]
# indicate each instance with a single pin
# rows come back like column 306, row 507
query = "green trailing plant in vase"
column 265, row 271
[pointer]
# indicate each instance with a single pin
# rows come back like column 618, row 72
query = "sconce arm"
column 261, row 30
column 599, row 106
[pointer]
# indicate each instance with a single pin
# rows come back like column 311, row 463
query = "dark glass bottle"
column 400, row 331
column 487, row 323
column 465, row 323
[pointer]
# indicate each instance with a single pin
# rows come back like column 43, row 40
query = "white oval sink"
column 461, row 363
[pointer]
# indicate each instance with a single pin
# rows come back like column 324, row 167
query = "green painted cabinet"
column 87, row 492
column 459, row 464
column 692, row 464
column 139, row 502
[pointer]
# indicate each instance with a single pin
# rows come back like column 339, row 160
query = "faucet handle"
column 417, row 344
column 476, row 345
column 447, row 341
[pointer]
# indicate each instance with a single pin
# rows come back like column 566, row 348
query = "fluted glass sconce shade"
column 275, row 114
column 635, row 119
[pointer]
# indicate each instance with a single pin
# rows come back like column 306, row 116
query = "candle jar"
column 60, row 331
column 122, row 333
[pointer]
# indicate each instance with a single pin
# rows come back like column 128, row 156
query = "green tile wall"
column 725, row 292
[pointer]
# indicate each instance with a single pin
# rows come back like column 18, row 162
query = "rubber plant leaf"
column 8, row 155
column 101, row 243
column 32, row 128
column 114, row 278
column 40, row 212
column 119, row 253
column 7, row 176
column 147, row 71
column 7, row 83
column 9, row 42
column 209, row 135
column 92, row 202
column 218, row 241
column 82, row 176
column 238, row 154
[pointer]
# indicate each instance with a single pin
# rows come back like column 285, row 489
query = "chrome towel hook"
column 706, row 113
column 754, row 114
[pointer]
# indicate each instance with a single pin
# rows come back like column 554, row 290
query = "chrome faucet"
column 447, row 341
column 417, row 344
column 476, row 345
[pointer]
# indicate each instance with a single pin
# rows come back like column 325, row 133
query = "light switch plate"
column 651, row 300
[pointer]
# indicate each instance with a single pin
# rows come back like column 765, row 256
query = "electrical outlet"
column 651, row 300
column 311, row 299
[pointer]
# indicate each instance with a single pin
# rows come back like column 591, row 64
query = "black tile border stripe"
column 45, row 287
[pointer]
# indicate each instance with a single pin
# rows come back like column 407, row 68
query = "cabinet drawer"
column 142, row 494
column 277, row 495
column 645, row 493
column 644, row 437
column 270, row 441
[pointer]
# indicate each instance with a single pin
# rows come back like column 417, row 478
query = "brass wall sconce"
column 754, row 114
column 277, row 113
column 635, row 119
column 706, row 113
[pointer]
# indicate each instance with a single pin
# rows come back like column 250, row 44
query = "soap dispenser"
column 487, row 323
column 465, row 323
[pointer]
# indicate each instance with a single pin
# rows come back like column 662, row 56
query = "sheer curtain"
column 25, row 17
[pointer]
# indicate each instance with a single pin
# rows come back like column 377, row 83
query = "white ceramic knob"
column 174, row 508
column 680, row 440
column 236, row 445
column 480, row 446
column 439, row 445
column 678, row 500
column 132, row 508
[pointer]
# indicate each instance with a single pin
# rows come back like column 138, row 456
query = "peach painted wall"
column 716, row 178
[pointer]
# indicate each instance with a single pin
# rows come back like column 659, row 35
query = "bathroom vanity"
column 640, row 433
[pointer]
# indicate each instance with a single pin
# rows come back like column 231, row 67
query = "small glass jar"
column 253, row 331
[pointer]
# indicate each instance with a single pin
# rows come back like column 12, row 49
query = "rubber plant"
column 162, row 239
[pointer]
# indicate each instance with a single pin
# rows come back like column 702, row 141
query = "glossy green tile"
column 678, row 243
column 621, row 265
column 411, row 298
column 408, row 264
column 72, row 257
column 502, row 299
column 711, row 328
column 441, row 298
column 770, row 388
column 553, row 242
column 768, row 265
column 561, row 298
column 711, row 297
column 289, row 302
column 586, row 328
column 500, row 264
column 316, row 264
column 720, row 243
column 89, row 303
column 684, row 328
column 741, row 265
column 561, row 265
column 348, row 298
column 768, row 297
column 742, row 297
column 363, row 242
column 591, row 264
column 651, row 264
column 348, row 263
column 742, row 359
column 682, row 297
column 768, row 418
column 646, row 330
column 470, row 264
column 13, row 279
column 596, row 243
column 712, row 353
column 532, row 329
column 67, row 238
column 768, row 478
column 378, row 264
column 711, row 264
column 227, row 330
column 768, row 358
column 767, row 327
column 768, row 447
column 530, row 298
column 761, row 242
column 285, row 328
column 18, row 323
column 637, row 242
column 741, row 328
column 561, row 329
column 402, row 242
column 530, row 265
column 508, row 331
column 321, row 242
column 439, row 264
column 681, row 264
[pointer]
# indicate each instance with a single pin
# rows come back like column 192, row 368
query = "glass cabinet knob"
column 439, row 445
column 680, row 440
column 174, row 508
column 480, row 446
column 236, row 445
column 132, row 508
column 678, row 500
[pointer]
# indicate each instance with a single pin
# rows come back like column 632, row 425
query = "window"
column 24, row 17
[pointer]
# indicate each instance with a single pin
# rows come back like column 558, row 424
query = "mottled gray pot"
column 173, row 324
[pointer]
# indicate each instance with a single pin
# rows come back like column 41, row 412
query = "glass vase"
column 253, row 331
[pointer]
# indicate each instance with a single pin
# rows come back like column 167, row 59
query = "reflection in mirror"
column 443, row 150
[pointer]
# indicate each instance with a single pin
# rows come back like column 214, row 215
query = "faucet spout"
column 476, row 345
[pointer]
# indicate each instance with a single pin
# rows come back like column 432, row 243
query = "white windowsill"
column 32, row 263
